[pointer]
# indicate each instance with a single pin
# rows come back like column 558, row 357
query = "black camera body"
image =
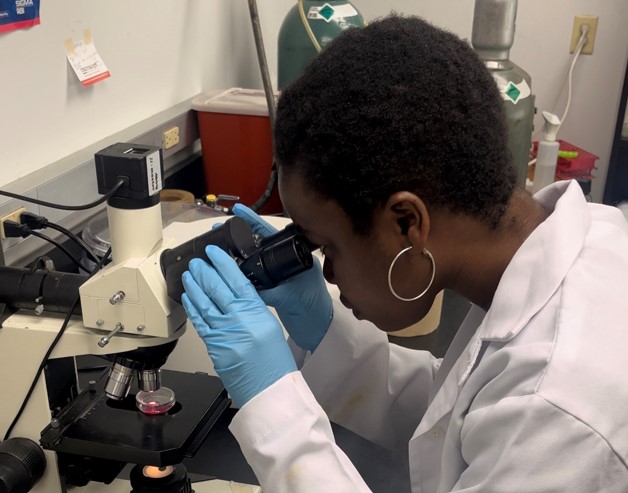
column 264, row 261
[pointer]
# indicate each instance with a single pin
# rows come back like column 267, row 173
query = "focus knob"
column 22, row 464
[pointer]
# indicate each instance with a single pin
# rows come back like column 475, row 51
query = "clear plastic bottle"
column 547, row 153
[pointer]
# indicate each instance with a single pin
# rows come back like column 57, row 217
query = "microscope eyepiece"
column 276, row 261
column 265, row 262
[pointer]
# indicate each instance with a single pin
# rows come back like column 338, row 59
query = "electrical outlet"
column 12, row 216
column 578, row 22
column 171, row 137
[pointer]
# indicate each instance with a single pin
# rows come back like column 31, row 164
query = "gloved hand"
column 302, row 302
column 243, row 338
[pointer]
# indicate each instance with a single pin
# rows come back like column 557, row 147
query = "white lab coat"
column 532, row 396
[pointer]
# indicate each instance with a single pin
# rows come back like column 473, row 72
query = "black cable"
column 35, row 222
column 54, row 343
column 270, row 187
column 59, row 246
column 66, row 207
column 76, row 239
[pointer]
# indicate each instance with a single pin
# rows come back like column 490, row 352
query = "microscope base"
column 212, row 486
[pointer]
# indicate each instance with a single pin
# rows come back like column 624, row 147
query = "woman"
column 393, row 159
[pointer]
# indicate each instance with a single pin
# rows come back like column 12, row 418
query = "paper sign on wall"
column 85, row 60
column 18, row 14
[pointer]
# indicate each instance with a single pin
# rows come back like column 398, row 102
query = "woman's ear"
column 410, row 217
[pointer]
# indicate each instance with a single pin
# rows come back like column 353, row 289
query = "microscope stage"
column 96, row 426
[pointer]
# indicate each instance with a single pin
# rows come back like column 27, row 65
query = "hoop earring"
column 425, row 252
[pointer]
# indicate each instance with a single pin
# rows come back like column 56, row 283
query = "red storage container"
column 581, row 165
column 237, row 145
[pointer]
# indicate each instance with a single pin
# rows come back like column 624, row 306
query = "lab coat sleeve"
column 287, row 439
column 526, row 443
column 369, row 386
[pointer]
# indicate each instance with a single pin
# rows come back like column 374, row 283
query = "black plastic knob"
column 22, row 464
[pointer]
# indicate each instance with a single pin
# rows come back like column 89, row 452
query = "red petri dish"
column 157, row 402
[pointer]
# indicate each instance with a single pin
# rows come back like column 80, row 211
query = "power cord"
column 52, row 205
column 17, row 230
column 54, row 343
column 58, row 245
column 584, row 29
column 35, row 222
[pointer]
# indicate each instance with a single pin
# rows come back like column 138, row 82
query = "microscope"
column 129, row 311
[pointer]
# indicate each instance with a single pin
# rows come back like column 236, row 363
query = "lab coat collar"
column 550, row 251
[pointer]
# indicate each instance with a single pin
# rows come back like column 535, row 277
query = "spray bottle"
column 547, row 153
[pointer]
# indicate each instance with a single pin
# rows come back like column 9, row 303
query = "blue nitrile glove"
column 243, row 338
column 302, row 302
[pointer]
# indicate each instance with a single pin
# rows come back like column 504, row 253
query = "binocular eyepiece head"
column 266, row 262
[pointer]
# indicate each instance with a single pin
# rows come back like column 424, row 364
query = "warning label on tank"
column 329, row 13
column 513, row 92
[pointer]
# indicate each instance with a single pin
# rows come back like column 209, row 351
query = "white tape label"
column 153, row 173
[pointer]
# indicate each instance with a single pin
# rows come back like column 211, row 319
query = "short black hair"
column 398, row 105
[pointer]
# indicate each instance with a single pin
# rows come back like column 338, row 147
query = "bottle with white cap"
column 547, row 153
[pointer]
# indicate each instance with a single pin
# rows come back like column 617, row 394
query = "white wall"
column 542, row 48
column 161, row 52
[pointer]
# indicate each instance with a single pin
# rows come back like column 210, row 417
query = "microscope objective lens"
column 157, row 402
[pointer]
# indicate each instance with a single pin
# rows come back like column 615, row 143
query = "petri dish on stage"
column 156, row 402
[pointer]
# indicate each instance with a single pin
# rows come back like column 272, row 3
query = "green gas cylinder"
column 492, row 37
column 326, row 20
